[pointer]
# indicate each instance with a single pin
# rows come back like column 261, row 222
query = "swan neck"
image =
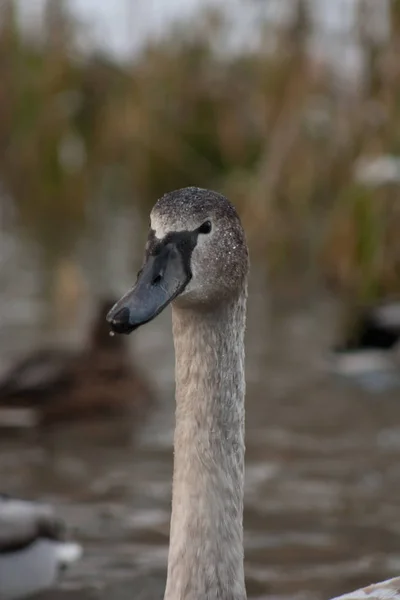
column 206, row 540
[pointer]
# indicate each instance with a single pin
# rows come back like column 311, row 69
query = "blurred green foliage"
column 278, row 131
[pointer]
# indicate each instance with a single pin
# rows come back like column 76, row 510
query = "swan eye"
column 205, row 228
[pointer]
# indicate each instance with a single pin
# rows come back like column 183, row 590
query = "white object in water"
column 33, row 550
column 386, row 590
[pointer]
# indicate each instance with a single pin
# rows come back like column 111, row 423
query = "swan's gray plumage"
column 196, row 258
column 206, row 545
column 33, row 548
column 206, row 542
column 219, row 261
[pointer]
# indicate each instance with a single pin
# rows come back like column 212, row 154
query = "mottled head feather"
column 187, row 208
column 219, row 262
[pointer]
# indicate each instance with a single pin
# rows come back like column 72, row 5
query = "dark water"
column 322, row 497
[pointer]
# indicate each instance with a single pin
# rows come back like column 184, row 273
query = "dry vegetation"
column 276, row 130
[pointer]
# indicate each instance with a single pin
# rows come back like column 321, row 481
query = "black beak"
column 162, row 277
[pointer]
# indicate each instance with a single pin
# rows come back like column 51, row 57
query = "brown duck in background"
column 62, row 385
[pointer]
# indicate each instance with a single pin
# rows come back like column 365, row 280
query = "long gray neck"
column 206, row 542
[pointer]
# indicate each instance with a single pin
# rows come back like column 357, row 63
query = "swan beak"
column 162, row 278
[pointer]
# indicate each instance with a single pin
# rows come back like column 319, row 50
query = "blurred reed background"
column 299, row 125
column 305, row 145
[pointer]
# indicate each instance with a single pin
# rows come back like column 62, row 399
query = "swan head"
column 196, row 256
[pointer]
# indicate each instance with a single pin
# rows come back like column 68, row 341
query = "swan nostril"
column 156, row 279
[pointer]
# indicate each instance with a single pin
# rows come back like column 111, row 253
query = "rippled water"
column 322, row 504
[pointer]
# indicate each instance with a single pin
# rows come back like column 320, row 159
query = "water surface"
column 322, row 504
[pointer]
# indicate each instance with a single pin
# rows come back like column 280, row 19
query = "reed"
column 276, row 129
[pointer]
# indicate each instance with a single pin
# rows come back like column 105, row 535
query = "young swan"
column 196, row 258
